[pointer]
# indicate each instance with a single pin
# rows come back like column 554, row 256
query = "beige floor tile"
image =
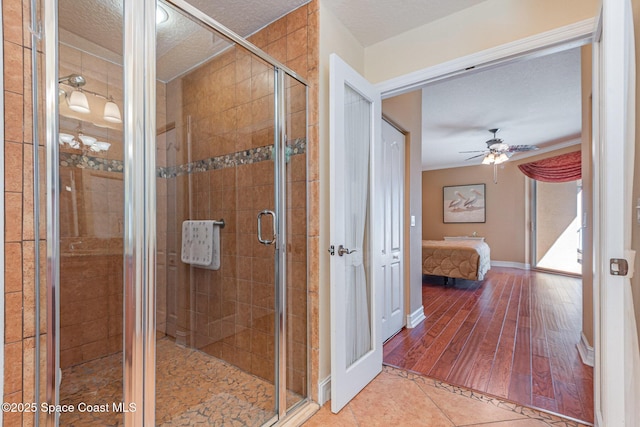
column 390, row 399
column 513, row 423
column 324, row 417
column 463, row 410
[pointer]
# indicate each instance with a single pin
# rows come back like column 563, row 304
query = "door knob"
column 342, row 250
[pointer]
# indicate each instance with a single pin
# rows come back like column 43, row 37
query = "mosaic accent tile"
column 548, row 418
column 90, row 162
column 192, row 388
column 245, row 157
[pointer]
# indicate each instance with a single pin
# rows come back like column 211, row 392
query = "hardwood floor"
column 514, row 336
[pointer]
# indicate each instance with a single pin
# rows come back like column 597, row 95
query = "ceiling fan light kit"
column 498, row 152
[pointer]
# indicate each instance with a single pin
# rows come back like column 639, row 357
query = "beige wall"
column 507, row 213
column 587, row 198
column 406, row 111
column 505, row 226
column 483, row 26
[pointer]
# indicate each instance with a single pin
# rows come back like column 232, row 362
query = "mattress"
column 463, row 259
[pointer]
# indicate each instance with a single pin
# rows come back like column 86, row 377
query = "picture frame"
column 464, row 203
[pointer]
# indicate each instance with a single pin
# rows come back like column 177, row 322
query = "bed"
column 463, row 259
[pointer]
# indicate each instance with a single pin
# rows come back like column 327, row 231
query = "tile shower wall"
column 225, row 164
column 19, row 227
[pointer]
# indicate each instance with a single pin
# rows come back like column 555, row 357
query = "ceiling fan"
column 498, row 151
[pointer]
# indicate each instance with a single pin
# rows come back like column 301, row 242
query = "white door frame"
column 612, row 209
column 558, row 39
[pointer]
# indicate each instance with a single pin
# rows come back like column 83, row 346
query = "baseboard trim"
column 598, row 419
column 324, row 391
column 587, row 353
column 415, row 318
column 510, row 264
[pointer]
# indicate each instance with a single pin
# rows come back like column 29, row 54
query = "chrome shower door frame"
column 139, row 211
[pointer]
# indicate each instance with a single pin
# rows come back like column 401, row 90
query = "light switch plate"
column 413, row 220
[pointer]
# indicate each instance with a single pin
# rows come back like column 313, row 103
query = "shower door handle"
column 273, row 221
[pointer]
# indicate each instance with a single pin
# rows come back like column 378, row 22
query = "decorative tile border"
column 89, row 162
column 244, row 157
column 546, row 417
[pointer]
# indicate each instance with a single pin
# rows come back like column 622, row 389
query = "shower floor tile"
column 191, row 388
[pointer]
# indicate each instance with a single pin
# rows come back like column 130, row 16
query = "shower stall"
column 176, row 244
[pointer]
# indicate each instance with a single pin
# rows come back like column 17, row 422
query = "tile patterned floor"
column 401, row 398
column 192, row 388
column 197, row 389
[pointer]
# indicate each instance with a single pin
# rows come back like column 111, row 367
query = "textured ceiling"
column 182, row 44
column 373, row 21
column 536, row 101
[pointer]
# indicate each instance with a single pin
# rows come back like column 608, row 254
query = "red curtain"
column 562, row 168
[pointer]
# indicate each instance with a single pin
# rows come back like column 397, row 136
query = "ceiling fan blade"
column 475, row 151
column 473, row 157
column 519, row 148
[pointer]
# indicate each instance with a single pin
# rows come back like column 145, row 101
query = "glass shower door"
column 91, row 221
column 216, row 317
column 211, row 339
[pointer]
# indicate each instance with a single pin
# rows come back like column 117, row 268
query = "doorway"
column 557, row 226
column 444, row 330
column 211, row 323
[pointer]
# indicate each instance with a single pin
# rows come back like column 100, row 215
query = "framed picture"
column 464, row 203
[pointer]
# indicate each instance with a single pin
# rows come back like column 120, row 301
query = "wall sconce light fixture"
column 77, row 98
